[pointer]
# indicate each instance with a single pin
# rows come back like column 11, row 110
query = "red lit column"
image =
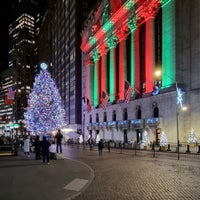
column 103, row 80
column 122, row 34
column 149, row 54
column 87, row 78
column 137, row 84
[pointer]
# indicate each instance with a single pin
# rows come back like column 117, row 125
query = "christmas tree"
column 163, row 139
column 192, row 138
column 146, row 139
column 45, row 112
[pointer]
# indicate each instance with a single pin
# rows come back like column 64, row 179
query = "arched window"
column 139, row 113
column 104, row 117
column 90, row 118
column 125, row 114
column 114, row 115
column 156, row 112
column 97, row 117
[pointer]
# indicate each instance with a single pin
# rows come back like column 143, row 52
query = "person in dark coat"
column 36, row 144
column 100, row 147
column 45, row 144
column 59, row 137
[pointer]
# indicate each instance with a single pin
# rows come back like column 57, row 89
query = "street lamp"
column 179, row 103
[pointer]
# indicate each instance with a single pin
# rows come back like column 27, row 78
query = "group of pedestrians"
column 41, row 148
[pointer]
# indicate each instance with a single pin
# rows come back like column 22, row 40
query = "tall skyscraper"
column 23, row 51
column 63, row 21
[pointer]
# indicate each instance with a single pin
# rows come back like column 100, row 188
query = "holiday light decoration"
column 146, row 139
column 192, row 138
column 163, row 139
column 45, row 112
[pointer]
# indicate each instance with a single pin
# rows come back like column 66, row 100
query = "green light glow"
column 95, row 83
column 111, row 76
column 92, row 41
column 107, row 26
column 168, row 45
column 164, row 2
column 132, row 60
column 132, row 23
column 129, row 5
column 91, row 82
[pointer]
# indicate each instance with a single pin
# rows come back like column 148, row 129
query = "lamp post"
column 179, row 102
column 177, row 121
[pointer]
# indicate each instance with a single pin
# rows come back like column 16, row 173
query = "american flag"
column 3, row 118
column 86, row 102
column 127, row 91
column 89, row 105
column 104, row 100
column 11, row 92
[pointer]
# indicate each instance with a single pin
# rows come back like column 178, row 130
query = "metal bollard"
column 188, row 149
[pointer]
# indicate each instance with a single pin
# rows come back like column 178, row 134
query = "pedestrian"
column 108, row 145
column 27, row 146
column 90, row 142
column 45, row 144
column 59, row 137
column 100, row 147
column 37, row 147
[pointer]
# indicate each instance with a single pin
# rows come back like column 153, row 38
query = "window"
column 125, row 114
column 114, row 115
column 156, row 112
column 104, row 117
column 97, row 117
column 139, row 113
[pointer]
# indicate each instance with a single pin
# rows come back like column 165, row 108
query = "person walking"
column 27, row 146
column 100, row 147
column 59, row 137
column 37, row 146
column 90, row 142
column 45, row 144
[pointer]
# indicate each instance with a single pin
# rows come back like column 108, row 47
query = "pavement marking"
column 76, row 185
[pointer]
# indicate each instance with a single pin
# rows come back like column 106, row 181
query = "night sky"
column 4, row 21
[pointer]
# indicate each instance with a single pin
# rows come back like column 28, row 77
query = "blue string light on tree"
column 45, row 112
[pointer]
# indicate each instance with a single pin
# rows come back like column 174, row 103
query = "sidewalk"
column 116, row 175
column 23, row 178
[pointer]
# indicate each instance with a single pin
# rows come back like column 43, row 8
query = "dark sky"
column 4, row 19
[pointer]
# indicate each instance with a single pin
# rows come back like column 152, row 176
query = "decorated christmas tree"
column 45, row 112
column 146, row 139
column 163, row 139
column 192, row 138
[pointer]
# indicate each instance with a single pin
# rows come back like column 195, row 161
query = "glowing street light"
column 179, row 101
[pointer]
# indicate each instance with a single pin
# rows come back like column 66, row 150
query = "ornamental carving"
column 133, row 23
column 122, row 34
column 150, row 11
column 103, row 49
column 112, row 41
column 95, row 55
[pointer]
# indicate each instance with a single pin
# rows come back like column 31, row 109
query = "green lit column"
column 132, row 23
column 168, row 43
column 112, row 42
column 95, row 78
column 91, row 82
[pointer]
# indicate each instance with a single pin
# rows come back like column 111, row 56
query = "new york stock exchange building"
column 141, row 70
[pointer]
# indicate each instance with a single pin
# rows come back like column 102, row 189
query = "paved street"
column 141, row 177
column 112, row 176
